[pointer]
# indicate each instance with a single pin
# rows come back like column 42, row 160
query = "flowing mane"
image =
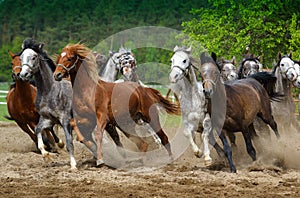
column 38, row 48
column 89, row 61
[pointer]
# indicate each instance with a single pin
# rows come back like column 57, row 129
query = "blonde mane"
column 89, row 61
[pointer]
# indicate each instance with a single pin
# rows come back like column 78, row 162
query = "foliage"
column 227, row 27
column 57, row 23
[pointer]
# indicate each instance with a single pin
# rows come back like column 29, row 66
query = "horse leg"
column 207, row 129
column 140, row 143
column 232, row 138
column 250, row 149
column 69, row 142
column 212, row 141
column 101, row 124
column 112, row 131
column 228, row 152
column 38, row 131
column 269, row 119
column 86, row 137
column 27, row 130
column 155, row 125
column 188, row 132
column 59, row 142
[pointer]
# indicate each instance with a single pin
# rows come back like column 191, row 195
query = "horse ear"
column 176, row 48
column 259, row 57
column 202, row 57
column 214, row 56
column 233, row 60
column 291, row 54
column 41, row 45
column 189, row 49
column 222, row 60
column 279, row 55
column 252, row 56
column 11, row 54
column 110, row 53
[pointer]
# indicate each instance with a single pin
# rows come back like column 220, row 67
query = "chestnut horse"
column 245, row 99
column 21, row 107
column 119, row 105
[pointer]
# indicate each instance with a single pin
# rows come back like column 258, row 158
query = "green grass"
column 3, row 108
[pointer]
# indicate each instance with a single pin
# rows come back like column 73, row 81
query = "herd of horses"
column 81, row 93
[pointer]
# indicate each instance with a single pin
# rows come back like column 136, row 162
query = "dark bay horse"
column 21, row 107
column 54, row 99
column 119, row 105
column 245, row 99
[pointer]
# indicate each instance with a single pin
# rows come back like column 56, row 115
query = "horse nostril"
column 58, row 76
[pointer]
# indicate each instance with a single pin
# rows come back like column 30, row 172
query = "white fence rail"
column 3, row 95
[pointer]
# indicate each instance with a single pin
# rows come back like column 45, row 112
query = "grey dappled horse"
column 192, row 101
column 54, row 99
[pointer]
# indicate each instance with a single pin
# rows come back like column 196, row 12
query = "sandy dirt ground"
column 24, row 173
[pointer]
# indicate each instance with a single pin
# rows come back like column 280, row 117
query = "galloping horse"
column 193, row 103
column 54, row 99
column 245, row 99
column 287, row 73
column 21, row 107
column 228, row 70
column 119, row 105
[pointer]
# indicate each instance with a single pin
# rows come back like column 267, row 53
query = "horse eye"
column 184, row 61
column 69, row 59
column 33, row 58
column 281, row 64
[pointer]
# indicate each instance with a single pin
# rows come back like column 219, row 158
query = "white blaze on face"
column 63, row 54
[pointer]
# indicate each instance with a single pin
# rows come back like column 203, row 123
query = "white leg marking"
column 206, row 130
column 41, row 145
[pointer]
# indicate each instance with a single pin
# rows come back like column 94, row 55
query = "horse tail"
column 8, row 117
column 170, row 107
column 268, row 81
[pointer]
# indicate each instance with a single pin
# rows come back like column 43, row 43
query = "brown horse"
column 21, row 106
column 119, row 105
column 245, row 99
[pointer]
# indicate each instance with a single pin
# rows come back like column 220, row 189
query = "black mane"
column 38, row 48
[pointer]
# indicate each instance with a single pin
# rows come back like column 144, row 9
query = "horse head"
column 210, row 73
column 180, row 63
column 287, row 67
column 249, row 66
column 16, row 65
column 68, row 61
column 127, row 64
column 228, row 69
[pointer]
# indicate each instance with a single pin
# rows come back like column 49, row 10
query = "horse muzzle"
column 58, row 76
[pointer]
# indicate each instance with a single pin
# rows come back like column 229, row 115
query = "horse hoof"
column 208, row 162
column 61, row 144
column 99, row 162
column 198, row 154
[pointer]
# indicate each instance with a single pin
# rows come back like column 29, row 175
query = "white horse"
column 287, row 72
column 192, row 101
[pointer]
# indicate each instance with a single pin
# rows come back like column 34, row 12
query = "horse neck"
column 135, row 77
column 83, row 82
column 23, row 88
column 189, row 86
column 283, row 86
column 110, row 73
column 44, row 78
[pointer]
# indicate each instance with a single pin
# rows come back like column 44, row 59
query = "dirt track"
column 24, row 173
